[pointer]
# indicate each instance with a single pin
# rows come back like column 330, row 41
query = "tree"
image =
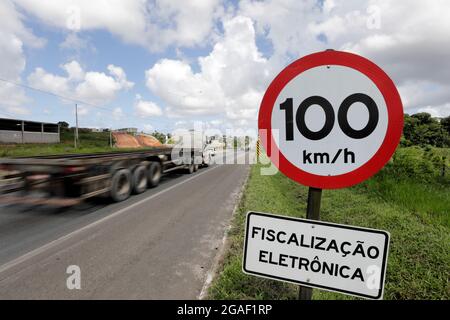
column 445, row 123
column 424, row 118
column 409, row 127
column 63, row 125
column 160, row 136
column 422, row 129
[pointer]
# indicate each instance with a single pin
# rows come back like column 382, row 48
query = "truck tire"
column 154, row 174
column 190, row 168
column 207, row 162
column 140, row 178
column 195, row 167
column 121, row 185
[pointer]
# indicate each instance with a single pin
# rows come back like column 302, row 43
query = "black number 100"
column 326, row 106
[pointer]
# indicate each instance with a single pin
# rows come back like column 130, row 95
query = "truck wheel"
column 121, row 185
column 195, row 167
column 140, row 179
column 209, row 161
column 206, row 163
column 154, row 174
column 190, row 168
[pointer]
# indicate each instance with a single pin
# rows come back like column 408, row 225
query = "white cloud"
column 148, row 127
column 74, row 70
column 98, row 88
column 181, row 123
column 145, row 109
column 441, row 111
column 231, row 79
column 185, row 93
column 286, row 27
column 73, row 42
column 43, row 80
column 154, row 24
column 419, row 93
column 14, row 36
column 11, row 23
column 405, row 38
column 83, row 110
column 13, row 59
column 13, row 101
column 186, row 23
column 120, row 76
column 216, row 122
column 92, row 87
column 408, row 39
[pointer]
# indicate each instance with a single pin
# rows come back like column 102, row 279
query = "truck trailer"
column 66, row 180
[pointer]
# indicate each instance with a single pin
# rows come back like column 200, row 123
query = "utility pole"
column 76, row 125
column 22, row 127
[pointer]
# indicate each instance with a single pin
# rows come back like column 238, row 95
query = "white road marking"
column 60, row 240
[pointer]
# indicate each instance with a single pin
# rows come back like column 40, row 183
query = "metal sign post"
column 313, row 213
column 258, row 146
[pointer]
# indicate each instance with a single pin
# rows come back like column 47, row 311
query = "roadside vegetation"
column 410, row 198
column 422, row 129
column 89, row 142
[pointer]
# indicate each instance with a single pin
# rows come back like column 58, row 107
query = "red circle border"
column 383, row 83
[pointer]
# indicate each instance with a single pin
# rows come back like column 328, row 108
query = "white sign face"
column 334, row 257
column 331, row 120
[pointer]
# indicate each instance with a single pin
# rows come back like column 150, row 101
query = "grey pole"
column 76, row 125
column 23, row 129
column 313, row 213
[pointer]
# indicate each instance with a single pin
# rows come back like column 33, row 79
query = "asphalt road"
column 157, row 245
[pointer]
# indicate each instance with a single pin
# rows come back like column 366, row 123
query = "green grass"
column 429, row 202
column 415, row 214
column 89, row 142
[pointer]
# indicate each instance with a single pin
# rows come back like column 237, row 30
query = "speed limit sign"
column 331, row 119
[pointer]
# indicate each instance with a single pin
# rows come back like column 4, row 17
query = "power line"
column 54, row 94
column 58, row 96
column 7, row 114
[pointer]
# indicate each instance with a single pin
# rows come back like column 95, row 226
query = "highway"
column 160, row 244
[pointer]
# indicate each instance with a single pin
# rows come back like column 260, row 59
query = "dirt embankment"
column 125, row 140
column 148, row 141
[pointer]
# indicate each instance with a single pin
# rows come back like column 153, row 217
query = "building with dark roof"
column 23, row 131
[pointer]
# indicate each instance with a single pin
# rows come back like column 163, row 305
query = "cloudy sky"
column 162, row 64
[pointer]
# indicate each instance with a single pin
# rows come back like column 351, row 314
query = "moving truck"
column 65, row 180
column 198, row 141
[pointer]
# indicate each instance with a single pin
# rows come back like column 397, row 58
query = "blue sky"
column 102, row 49
column 162, row 64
